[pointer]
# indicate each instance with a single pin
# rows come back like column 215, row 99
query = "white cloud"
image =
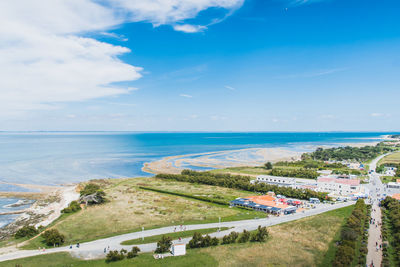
column 184, row 95
column 160, row 12
column 380, row 115
column 188, row 28
column 230, row 87
column 45, row 58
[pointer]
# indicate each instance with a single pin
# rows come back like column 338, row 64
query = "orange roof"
column 261, row 198
column 267, row 201
column 396, row 196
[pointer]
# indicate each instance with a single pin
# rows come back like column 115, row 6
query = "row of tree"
column 351, row 235
column 115, row 255
column 242, row 183
column 392, row 211
column 348, row 153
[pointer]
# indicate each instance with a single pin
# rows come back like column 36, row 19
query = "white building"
column 297, row 183
column 178, row 249
column 337, row 186
column 277, row 180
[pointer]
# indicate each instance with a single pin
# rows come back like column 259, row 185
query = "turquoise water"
column 6, row 206
column 61, row 157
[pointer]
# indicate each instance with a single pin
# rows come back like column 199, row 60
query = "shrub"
column 231, row 238
column 245, row 237
column 26, row 231
column 261, row 234
column 164, row 244
column 133, row 253
column 89, row 189
column 114, row 255
column 72, row 207
column 352, row 234
column 53, row 237
column 268, row 165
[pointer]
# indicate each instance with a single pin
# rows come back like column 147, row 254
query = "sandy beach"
column 49, row 202
column 235, row 158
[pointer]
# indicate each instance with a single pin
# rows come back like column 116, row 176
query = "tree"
column 133, row 253
column 244, row 237
column 164, row 244
column 114, row 255
column 268, row 165
column 72, row 207
column 26, row 231
column 89, row 189
column 231, row 238
column 53, row 237
column 196, row 240
column 261, row 234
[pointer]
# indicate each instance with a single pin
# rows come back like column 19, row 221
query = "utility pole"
column 142, row 233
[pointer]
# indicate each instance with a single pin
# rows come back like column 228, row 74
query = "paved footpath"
column 374, row 256
column 95, row 249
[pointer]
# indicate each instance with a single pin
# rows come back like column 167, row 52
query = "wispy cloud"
column 303, row 2
column 380, row 115
column 230, row 88
column 312, row 74
column 184, row 95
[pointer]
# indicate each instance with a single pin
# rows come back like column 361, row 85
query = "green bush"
column 231, row 238
column 133, row 253
column 89, row 189
column 53, row 237
column 198, row 241
column 164, row 244
column 244, row 237
column 26, row 231
column 352, row 233
column 114, row 255
column 260, row 235
column 72, row 207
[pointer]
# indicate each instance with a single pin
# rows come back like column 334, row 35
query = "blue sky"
column 229, row 65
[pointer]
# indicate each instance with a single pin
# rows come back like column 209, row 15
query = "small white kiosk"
column 178, row 249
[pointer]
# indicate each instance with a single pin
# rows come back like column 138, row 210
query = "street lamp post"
column 142, row 233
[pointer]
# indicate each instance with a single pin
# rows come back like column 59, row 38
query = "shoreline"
column 224, row 159
column 50, row 200
column 47, row 206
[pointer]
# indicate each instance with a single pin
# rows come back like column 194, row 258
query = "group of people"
column 180, row 228
column 106, row 249
column 77, row 245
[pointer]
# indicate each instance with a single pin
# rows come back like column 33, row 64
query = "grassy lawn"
column 182, row 234
column 387, row 179
column 243, row 170
column 393, row 158
column 131, row 208
column 193, row 258
column 306, row 242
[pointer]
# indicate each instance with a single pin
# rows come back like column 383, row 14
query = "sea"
column 54, row 158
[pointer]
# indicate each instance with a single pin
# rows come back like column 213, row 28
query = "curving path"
column 95, row 249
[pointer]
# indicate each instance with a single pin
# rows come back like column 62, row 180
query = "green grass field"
column 131, row 208
column 306, row 242
column 175, row 235
column 393, row 158
column 193, row 258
